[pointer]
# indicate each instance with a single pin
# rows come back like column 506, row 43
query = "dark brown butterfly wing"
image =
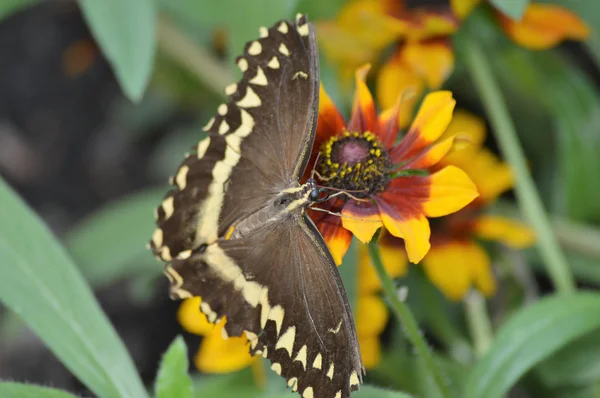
column 257, row 145
column 281, row 287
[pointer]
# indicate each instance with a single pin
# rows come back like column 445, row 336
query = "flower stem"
column 504, row 129
column 408, row 321
column 479, row 322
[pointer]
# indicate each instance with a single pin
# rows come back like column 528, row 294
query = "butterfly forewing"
column 276, row 282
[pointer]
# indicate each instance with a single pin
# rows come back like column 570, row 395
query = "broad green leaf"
column 349, row 273
column 9, row 7
column 514, row 9
column 111, row 242
column 126, row 32
column 43, row 286
column 577, row 364
column 317, row 9
column 530, row 336
column 233, row 385
column 19, row 390
column 173, row 380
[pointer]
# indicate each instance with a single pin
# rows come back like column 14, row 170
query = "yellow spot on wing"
column 330, row 371
column 203, row 147
column 276, row 368
column 260, row 79
column 180, row 178
column 308, row 393
column 232, row 88
column 255, row 48
column 273, row 63
column 284, row 50
column 250, row 100
column 242, row 64
column 303, row 30
column 209, row 124
column 283, row 28
column 157, row 237
column 286, row 341
column 354, row 379
column 318, row 362
column 263, row 32
column 224, row 127
column 301, row 356
column 167, row 206
column 276, row 314
column 292, row 382
column 222, row 109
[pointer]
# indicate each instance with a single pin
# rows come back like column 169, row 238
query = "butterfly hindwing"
column 290, row 303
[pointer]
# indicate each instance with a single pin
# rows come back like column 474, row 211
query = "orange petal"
column 217, row 355
column 432, row 60
column 454, row 267
column 451, row 190
column 397, row 85
column 509, row 232
column 362, row 219
column 388, row 124
column 370, row 350
column 405, row 222
column 329, row 122
column 192, row 319
column 430, row 156
column 337, row 238
column 544, row 26
column 394, row 261
column 371, row 316
column 364, row 115
column 462, row 8
column 429, row 124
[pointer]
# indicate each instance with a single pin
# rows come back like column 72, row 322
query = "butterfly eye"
column 314, row 195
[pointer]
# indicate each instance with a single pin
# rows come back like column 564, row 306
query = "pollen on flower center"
column 355, row 162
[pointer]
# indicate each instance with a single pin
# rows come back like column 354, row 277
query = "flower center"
column 355, row 162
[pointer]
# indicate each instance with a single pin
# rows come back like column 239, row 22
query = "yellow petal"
column 509, row 232
column 414, row 230
column 432, row 60
column 362, row 220
column 192, row 319
column 454, row 267
column 451, row 190
column 462, row 8
column 466, row 126
column 370, row 349
column 371, row 315
column 396, row 80
column 223, row 356
column 544, row 26
column 395, row 263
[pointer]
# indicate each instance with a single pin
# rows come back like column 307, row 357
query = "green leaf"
column 111, row 243
column 349, row 273
column 43, row 286
column 514, row 9
column 365, row 391
column 318, row 9
column 9, row 7
column 233, row 385
column 173, row 380
column 241, row 19
column 530, row 336
column 19, row 390
column 577, row 364
column 126, row 32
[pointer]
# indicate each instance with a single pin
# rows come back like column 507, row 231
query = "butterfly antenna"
column 314, row 171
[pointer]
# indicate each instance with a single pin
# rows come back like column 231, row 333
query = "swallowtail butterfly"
column 234, row 228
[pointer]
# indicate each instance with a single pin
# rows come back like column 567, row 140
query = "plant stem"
column 504, row 129
column 408, row 322
column 203, row 65
column 479, row 322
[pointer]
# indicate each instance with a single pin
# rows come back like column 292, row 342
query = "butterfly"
column 234, row 228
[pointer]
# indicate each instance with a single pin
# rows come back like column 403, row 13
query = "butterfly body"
column 234, row 229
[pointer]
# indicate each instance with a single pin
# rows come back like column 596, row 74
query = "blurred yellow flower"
column 216, row 354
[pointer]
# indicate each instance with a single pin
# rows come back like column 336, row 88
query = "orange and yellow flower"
column 456, row 261
column 381, row 183
column 217, row 354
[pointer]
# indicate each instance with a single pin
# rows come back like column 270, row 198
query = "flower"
column 542, row 26
column 423, row 57
column 456, row 261
column 380, row 183
column 217, row 354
